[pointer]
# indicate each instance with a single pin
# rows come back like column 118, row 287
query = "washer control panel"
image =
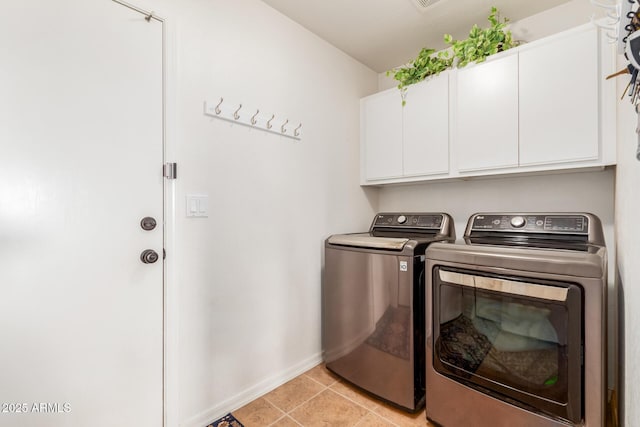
column 537, row 223
column 432, row 221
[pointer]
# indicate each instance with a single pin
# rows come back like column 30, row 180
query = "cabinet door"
column 425, row 125
column 381, row 127
column 559, row 100
column 487, row 115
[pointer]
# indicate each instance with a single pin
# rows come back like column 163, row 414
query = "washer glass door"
column 515, row 338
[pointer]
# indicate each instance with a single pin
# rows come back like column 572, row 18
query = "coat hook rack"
column 239, row 113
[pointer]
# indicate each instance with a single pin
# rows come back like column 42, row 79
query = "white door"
column 81, row 149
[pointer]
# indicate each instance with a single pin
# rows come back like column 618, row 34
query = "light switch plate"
column 197, row 205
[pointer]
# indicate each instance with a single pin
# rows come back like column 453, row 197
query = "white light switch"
column 203, row 205
column 197, row 205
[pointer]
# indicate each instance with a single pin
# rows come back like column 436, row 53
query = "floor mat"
column 226, row 421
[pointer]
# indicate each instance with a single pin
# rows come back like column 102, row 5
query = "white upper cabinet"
column 486, row 118
column 425, row 124
column 400, row 142
column 559, row 100
column 381, row 135
column 543, row 106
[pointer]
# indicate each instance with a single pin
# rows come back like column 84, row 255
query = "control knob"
column 402, row 219
column 517, row 222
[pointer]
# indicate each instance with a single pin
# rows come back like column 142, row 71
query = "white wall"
column 582, row 192
column 246, row 294
column 628, row 248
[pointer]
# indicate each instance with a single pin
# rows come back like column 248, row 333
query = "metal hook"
column 218, row 110
column 149, row 16
column 282, row 129
column 235, row 114
column 253, row 118
column 269, row 126
column 296, row 130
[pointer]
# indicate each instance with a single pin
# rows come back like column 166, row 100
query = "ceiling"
column 383, row 34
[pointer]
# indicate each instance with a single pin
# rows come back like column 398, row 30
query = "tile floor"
column 318, row 398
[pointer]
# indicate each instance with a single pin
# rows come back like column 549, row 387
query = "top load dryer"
column 373, row 304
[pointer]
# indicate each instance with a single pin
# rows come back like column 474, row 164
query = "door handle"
column 149, row 256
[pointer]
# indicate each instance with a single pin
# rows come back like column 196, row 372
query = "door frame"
column 169, row 289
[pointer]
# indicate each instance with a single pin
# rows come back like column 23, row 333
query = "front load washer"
column 373, row 304
column 517, row 325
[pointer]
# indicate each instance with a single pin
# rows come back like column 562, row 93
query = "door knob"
column 149, row 256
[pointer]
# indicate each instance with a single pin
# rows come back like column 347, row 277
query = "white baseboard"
column 239, row 400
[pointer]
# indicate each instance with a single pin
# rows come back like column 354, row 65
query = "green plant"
column 482, row 43
column 426, row 64
column 479, row 45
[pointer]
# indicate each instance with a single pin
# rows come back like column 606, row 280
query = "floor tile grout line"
column 283, row 417
column 288, row 413
column 309, row 399
column 282, row 413
column 368, row 409
column 325, row 388
column 387, row 419
column 273, row 404
column 330, row 387
column 353, row 401
column 322, row 384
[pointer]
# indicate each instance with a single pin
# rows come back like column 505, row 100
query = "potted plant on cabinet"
column 480, row 44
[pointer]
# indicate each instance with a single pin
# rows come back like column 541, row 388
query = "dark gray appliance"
column 373, row 304
column 517, row 325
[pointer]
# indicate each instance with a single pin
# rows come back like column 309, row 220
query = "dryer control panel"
column 536, row 223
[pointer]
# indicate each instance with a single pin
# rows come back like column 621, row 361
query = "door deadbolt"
column 149, row 256
column 148, row 223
